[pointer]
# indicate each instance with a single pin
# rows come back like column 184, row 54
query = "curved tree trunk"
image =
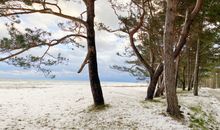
column 93, row 68
column 154, row 79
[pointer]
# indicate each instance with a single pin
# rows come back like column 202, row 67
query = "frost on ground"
column 59, row 105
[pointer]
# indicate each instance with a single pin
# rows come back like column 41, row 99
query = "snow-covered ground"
column 58, row 105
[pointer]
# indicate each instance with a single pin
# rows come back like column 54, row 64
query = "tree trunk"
column 188, row 68
column 192, row 79
column 93, row 68
column 177, row 70
column 160, row 88
column 196, row 73
column 169, row 65
column 151, row 88
column 184, row 79
column 154, row 79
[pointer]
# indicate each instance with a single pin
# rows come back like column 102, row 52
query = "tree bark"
column 184, row 79
column 160, row 88
column 169, row 65
column 192, row 78
column 188, row 68
column 153, row 82
column 151, row 88
column 93, row 68
column 177, row 70
column 196, row 73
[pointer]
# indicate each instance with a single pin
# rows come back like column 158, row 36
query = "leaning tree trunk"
column 169, row 65
column 151, row 88
column 154, row 79
column 160, row 88
column 93, row 68
column 196, row 73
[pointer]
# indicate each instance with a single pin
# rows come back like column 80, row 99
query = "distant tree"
column 206, row 30
column 196, row 69
column 77, row 26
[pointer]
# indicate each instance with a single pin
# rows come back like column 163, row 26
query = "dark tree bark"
column 196, row 73
column 92, row 61
column 153, row 83
column 169, row 65
column 184, row 79
column 151, row 88
column 192, row 79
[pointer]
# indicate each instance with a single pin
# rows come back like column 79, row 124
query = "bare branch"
column 134, row 30
column 186, row 27
column 44, row 11
column 197, row 8
column 33, row 45
column 45, row 52
column 86, row 60
column 44, row 3
column 12, row 55
column 57, row 41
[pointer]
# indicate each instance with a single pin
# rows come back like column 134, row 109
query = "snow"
column 208, row 99
column 58, row 105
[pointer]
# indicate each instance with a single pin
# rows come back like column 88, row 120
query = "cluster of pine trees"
column 175, row 42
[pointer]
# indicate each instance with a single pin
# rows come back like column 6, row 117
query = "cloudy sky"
column 107, row 46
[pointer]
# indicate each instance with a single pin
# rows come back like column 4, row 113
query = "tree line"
column 174, row 42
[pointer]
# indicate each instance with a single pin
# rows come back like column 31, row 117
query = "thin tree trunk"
column 160, row 88
column 184, row 79
column 93, row 68
column 169, row 65
column 196, row 73
column 177, row 70
column 192, row 79
column 157, row 93
column 163, row 87
column 217, row 80
column 188, row 68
